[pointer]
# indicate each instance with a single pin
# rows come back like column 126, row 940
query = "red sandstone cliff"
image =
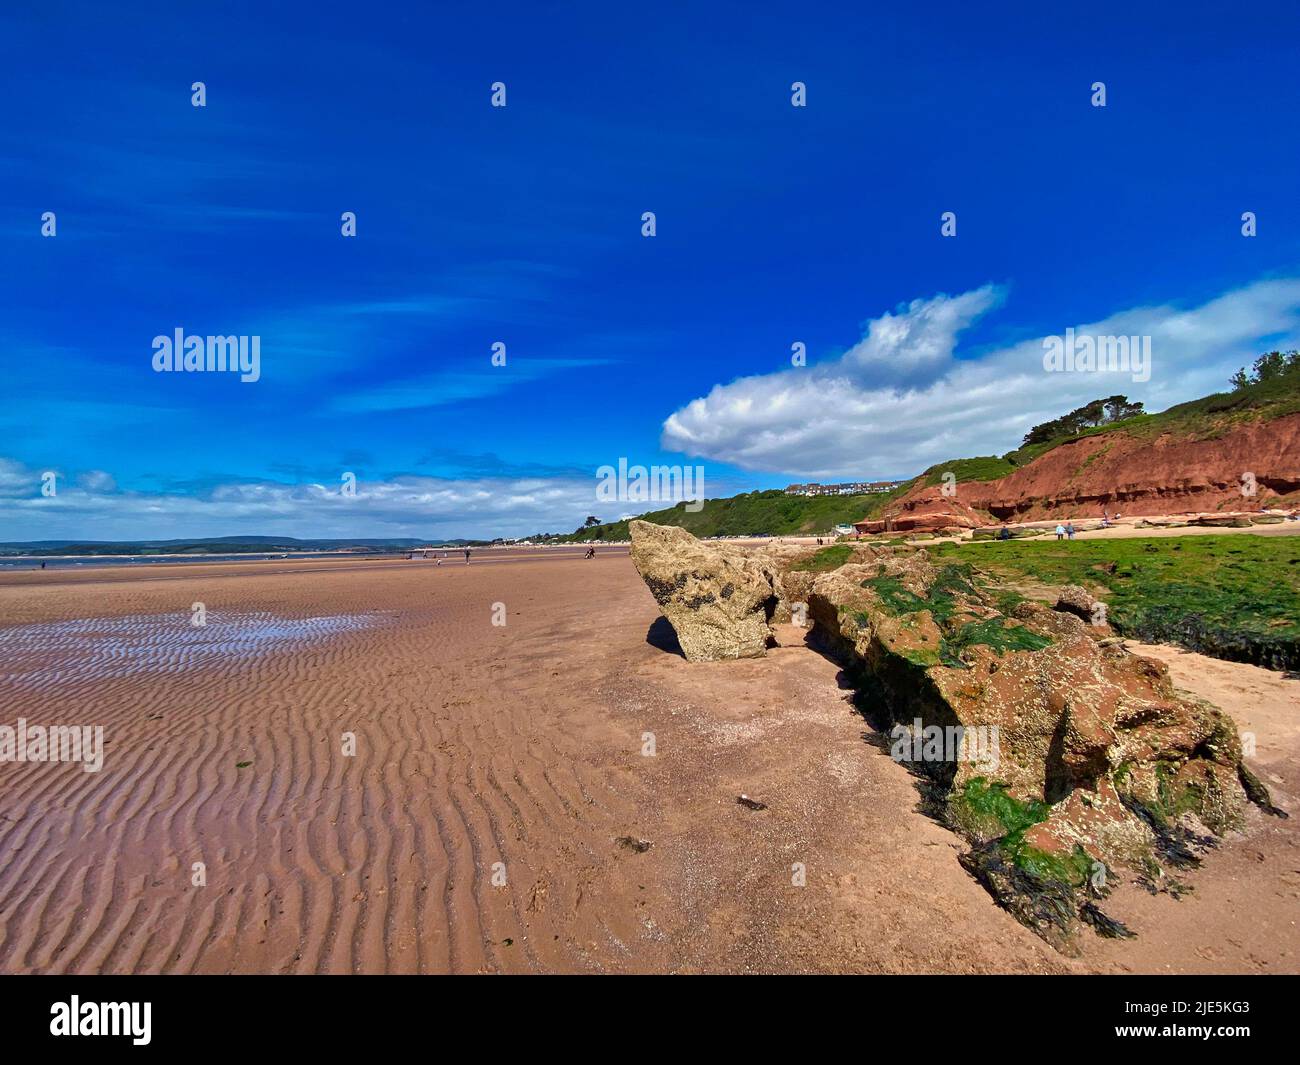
column 1167, row 474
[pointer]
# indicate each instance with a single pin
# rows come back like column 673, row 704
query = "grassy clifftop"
column 753, row 514
column 1199, row 419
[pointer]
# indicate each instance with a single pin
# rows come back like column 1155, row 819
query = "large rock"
column 1077, row 600
column 719, row 598
column 1090, row 758
column 1058, row 755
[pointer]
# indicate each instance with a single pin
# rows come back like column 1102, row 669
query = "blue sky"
column 522, row 224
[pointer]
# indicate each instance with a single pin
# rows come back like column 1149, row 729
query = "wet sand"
column 524, row 745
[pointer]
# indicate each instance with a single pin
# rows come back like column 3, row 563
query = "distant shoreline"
column 162, row 558
column 24, row 563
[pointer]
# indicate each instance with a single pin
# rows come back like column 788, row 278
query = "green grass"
column 1233, row 596
column 753, row 514
column 825, row 560
column 981, row 468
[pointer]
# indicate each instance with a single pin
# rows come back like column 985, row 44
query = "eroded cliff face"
column 1058, row 755
column 930, row 509
column 1167, row 474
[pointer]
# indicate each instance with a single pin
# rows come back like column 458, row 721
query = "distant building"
column 849, row 488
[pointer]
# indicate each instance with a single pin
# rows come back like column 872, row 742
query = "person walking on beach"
column 591, row 553
column 467, row 556
column 1060, row 531
column 1069, row 530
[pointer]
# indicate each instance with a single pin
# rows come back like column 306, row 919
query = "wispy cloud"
column 457, row 386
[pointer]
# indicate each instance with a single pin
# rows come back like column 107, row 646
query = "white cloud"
column 916, row 343
column 91, row 508
column 900, row 400
column 17, row 480
column 96, row 481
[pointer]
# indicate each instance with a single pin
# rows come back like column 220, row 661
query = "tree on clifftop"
column 1089, row 416
column 1268, row 367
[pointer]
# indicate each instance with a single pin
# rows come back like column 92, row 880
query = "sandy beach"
column 496, row 812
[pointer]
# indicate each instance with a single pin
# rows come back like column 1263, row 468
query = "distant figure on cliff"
column 1060, row 531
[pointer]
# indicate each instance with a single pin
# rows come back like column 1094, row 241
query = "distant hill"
column 210, row 545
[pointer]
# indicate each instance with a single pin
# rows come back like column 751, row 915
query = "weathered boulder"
column 790, row 583
column 1088, row 757
column 1080, row 602
column 794, row 569
column 718, row 598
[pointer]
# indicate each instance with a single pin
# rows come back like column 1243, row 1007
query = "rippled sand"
column 496, row 769
column 47, row 655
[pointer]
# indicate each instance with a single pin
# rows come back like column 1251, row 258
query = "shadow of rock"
column 662, row 636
